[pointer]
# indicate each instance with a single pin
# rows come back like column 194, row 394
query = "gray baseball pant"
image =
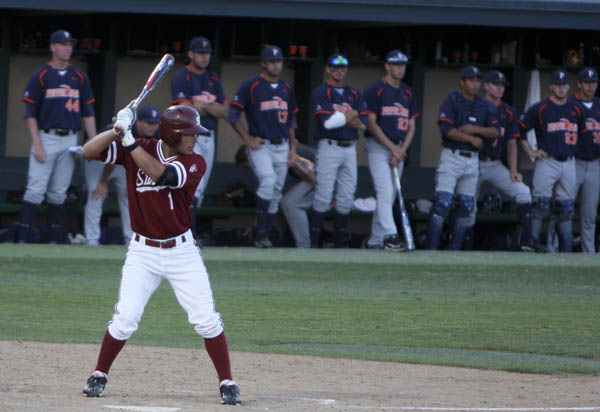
column 295, row 203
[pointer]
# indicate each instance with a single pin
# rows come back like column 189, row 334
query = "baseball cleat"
column 532, row 246
column 393, row 243
column 230, row 393
column 95, row 385
column 263, row 242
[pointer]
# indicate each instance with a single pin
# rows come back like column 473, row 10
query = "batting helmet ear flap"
column 177, row 121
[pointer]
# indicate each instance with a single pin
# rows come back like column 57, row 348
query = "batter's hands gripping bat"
column 408, row 235
column 159, row 72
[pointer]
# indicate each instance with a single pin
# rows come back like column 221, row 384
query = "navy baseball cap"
column 396, row 57
column 149, row 114
column 200, row 45
column 60, row 36
column 469, row 72
column 271, row 53
column 560, row 76
column 337, row 60
column 495, row 77
column 588, row 74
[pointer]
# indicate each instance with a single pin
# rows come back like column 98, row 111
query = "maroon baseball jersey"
column 158, row 212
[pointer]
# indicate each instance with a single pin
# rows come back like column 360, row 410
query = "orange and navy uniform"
column 557, row 127
column 393, row 106
column 59, row 98
column 457, row 111
column 327, row 99
column 588, row 145
column 189, row 87
column 270, row 107
column 509, row 130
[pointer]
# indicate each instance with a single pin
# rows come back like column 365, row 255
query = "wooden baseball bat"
column 408, row 235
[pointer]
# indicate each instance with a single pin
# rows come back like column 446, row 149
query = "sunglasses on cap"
column 339, row 62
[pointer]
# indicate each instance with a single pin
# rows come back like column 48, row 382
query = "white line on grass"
column 141, row 408
column 427, row 408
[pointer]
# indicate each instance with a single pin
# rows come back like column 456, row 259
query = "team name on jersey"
column 145, row 183
column 562, row 125
column 592, row 124
column 396, row 110
column 343, row 108
column 63, row 91
column 206, row 97
column 276, row 104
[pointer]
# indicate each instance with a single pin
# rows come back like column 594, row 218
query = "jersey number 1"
column 170, row 200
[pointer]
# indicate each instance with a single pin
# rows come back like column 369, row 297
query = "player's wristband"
column 132, row 147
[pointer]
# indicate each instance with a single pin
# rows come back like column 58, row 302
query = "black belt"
column 562, row 158
column 341, row 143
column 276, row 142
column 464, row 153
column 586, row 159
column 486, row 158
column 59, row 132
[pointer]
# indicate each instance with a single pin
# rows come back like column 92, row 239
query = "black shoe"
column 393, row 243
column 263, row 242
column 230, row 393
column 532, row 246
column 95, row 385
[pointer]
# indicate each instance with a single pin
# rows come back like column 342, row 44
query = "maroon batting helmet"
column 179, row 120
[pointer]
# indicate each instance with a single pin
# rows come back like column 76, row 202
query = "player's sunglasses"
column 338, row 62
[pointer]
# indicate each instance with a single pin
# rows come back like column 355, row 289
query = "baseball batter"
column 98, row 175
column 557, row 121
column 341, row 112
column 270, row 106
column 162, row 178
column 587, row 165
column 390, row 130
column 465, row 121
column 491, row 169
column 57, row 99
column 195, row 86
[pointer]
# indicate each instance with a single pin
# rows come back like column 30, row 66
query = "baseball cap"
column 396, row 57
column 149, row 114
column 337, row 60
column 588, row 74
column 470, row 71
column 271, row 53
column 60, row 36
column 560, row 76
column 200, row 45
column 495, row 77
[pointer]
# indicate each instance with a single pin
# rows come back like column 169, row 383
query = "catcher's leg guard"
column 465, row 206
column 435, row 222
column 541, row 209
column 564, row 210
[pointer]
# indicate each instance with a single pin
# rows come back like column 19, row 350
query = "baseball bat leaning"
column 408, row 235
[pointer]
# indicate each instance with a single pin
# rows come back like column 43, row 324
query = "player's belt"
column 586, row 159
column 162, row 244
column 340, row 143
column 464, row 153
column 562, row 158
column 276, row 142
column 486, row 158
column 59, row 132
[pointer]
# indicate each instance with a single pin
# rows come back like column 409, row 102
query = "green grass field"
column 506, row 311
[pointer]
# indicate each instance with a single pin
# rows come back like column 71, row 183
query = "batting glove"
column 123, row 124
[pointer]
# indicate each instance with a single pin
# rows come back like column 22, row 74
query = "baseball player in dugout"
column 58, row 99
column 465, row 121
column 340, row 112
column 98, row 176
column 194, row 85
column 491, row 169
column 390, row 130
column 558, row 122
column 587, row 166
column 270, row 106
column 162, row 177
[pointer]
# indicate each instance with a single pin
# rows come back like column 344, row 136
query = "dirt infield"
column 49, row 377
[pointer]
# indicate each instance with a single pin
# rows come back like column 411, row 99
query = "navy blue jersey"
column 187, row 86
column 588, row 145
column 58, row 98
column 457, row 111
column 268, row 107
column 393, row 106
column 509, row 129
column 327, row 99
column 557, row 127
